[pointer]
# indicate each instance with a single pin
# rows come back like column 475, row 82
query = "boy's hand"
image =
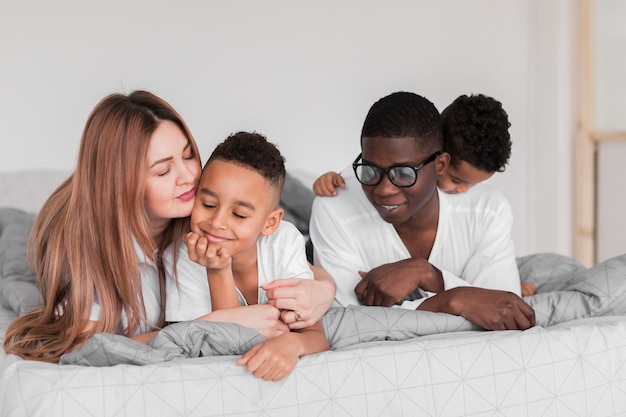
column 211, row 256
column 327, row 183
column 273, row 359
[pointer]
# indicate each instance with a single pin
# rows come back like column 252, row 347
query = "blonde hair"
column 82, row 245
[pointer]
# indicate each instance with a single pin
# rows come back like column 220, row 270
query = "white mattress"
column 572, row 369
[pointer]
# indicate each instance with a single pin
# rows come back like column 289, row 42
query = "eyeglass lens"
column 400, row 176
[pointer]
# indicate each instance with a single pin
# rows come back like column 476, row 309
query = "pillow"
column 18, row 281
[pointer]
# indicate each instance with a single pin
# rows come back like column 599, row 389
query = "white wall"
column 304, row 74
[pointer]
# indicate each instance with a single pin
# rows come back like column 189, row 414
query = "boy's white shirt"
column 473, row 245
column 280, row 255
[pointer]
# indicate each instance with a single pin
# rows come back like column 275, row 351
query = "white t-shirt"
column 473, row 245
column 280, row 255
column 151, row 293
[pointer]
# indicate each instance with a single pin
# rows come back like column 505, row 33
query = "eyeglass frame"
column 387, row 171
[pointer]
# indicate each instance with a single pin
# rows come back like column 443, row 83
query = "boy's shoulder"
column 285, row 234
column 282, row 254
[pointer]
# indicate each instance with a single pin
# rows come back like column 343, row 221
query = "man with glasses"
column 394, row 239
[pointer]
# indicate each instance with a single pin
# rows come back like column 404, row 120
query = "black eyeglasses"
column 399, row 175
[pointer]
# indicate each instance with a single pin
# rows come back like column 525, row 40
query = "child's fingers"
column 319, row 188
column 245, row 358
column 328, row 189
column 188, row 236
column 338, row 181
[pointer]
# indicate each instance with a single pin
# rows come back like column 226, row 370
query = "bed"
column 382, row 362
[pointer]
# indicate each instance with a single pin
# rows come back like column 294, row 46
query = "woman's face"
column 172, row 175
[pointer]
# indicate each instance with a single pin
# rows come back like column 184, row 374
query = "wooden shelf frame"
column 586, row 142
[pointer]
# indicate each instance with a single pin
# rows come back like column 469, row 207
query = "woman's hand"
column 263, row 318
column 303, row 301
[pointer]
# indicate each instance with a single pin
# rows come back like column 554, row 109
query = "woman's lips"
column 188, row 195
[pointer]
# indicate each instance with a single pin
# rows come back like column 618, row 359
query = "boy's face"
column 401, row 205
column 234, row 206
column 461, row 177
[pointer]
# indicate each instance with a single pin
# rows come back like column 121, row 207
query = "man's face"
column 402, row 206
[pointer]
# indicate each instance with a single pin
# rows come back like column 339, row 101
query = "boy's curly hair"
column 252, row 150
column 476, row 130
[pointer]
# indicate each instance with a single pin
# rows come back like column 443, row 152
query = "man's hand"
column 490, row 309
column 390, row 283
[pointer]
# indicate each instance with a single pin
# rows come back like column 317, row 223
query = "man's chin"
column 389, row 215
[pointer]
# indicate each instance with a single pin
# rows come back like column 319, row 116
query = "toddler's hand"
column 528, row 289
column 327, row 183
column 211, row 256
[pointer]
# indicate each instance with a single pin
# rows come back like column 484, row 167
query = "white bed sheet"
column 576, row 368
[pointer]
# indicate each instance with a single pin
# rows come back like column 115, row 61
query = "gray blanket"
column 574, row 292
column 566, row 291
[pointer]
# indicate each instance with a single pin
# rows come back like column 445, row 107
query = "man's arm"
column 491, row 259
column 488, row 293
column 490, row 309
column 335, row 251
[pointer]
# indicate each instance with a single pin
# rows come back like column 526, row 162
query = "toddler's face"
column 462, row 177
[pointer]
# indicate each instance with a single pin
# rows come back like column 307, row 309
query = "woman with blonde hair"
column 97, row 242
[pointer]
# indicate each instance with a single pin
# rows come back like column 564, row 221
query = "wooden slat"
column 617, row 136
column 584, row 245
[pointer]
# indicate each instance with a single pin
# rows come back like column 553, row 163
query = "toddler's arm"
column 327, row 183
